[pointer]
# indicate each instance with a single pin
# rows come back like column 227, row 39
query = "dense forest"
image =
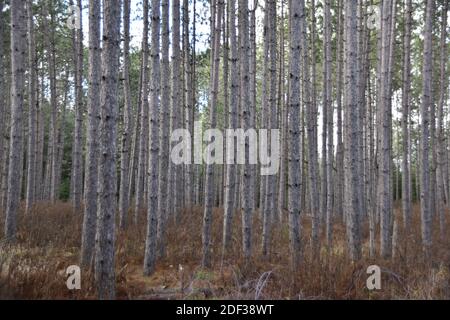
column 233, row 149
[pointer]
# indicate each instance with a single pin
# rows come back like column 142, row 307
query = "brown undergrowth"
column 49, row 241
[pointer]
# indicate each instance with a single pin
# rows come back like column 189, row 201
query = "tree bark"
column 427, row 100
column 127, row 122
column 297, row 47
column 32, row 110
column 351, row 142
column 153, row 164
column 91, row 179
column 105, row 237
column 18, row 54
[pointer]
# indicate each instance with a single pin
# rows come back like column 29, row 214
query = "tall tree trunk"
column 384, row 132
column 2, row 105
column 77, row 162
column 176, row 102
column 406, row 101
column 217, row 9
column 282, row 107
column 442, row 186
column 91, row 182
column 166, row 169
column 329, row 111
column 309, row 100
column 127, row 122
column 247, row 188
column 297, row 48
column 52, row 154
column 230, row 185
column 189, row 103
column 153, row 163
column 269, row 206
column 143, row 143
column 32, row 101
column 105, row 237
column 427, row 101
column 351, row 141
column 18, row 54
column 340, row 143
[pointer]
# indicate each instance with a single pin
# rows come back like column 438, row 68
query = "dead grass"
column 49, row 242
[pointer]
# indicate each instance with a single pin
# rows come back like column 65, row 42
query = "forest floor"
column 49, row 241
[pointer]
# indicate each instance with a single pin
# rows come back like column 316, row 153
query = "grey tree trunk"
column 270, row 194
column 153, row 164
column 217, row 9
column 329, row 111
column 18, row 54
column 77, row 162
column 166, row 170
column 406, row 101
column 127, row 122
column 265, row 100
column 340, row 144
column 176, row 102
column 32, row 109
column 297, row 47
column 91, row 176
column 40, row 142
column 105, row 236
column 189, row 103
column 427, row 100
column 143, row 139
column 311, row 110
column 384, row 131
column 442, row 186
column 230, row 184
column 2, row 105
column 247, row 188
column 351, row 142
column 52, row 153
column 282, row 107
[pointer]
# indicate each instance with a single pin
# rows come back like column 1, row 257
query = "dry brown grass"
column 49, row 241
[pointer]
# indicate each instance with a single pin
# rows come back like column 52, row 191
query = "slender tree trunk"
column 297, row 48
column 189, row 103
column 269, row 206
column 153, row 164
column 32, row 57
column 52, row 153
column 247, row 189
column 77, row 162
column 442, row 187
column 2, row 105
column 385, row 135
column 217, row 9
column 406, row 101
column 351, row 141
column 427, row 101
column 329, row 111
column 166, row 169
column 91, row 178
column 18, row 54
column 282, row 107
column 105, row 237
column 230, row 185
column 340, row 144
column 176, row 103
column 127, row 119
column 311, row 110
column 143, row 143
